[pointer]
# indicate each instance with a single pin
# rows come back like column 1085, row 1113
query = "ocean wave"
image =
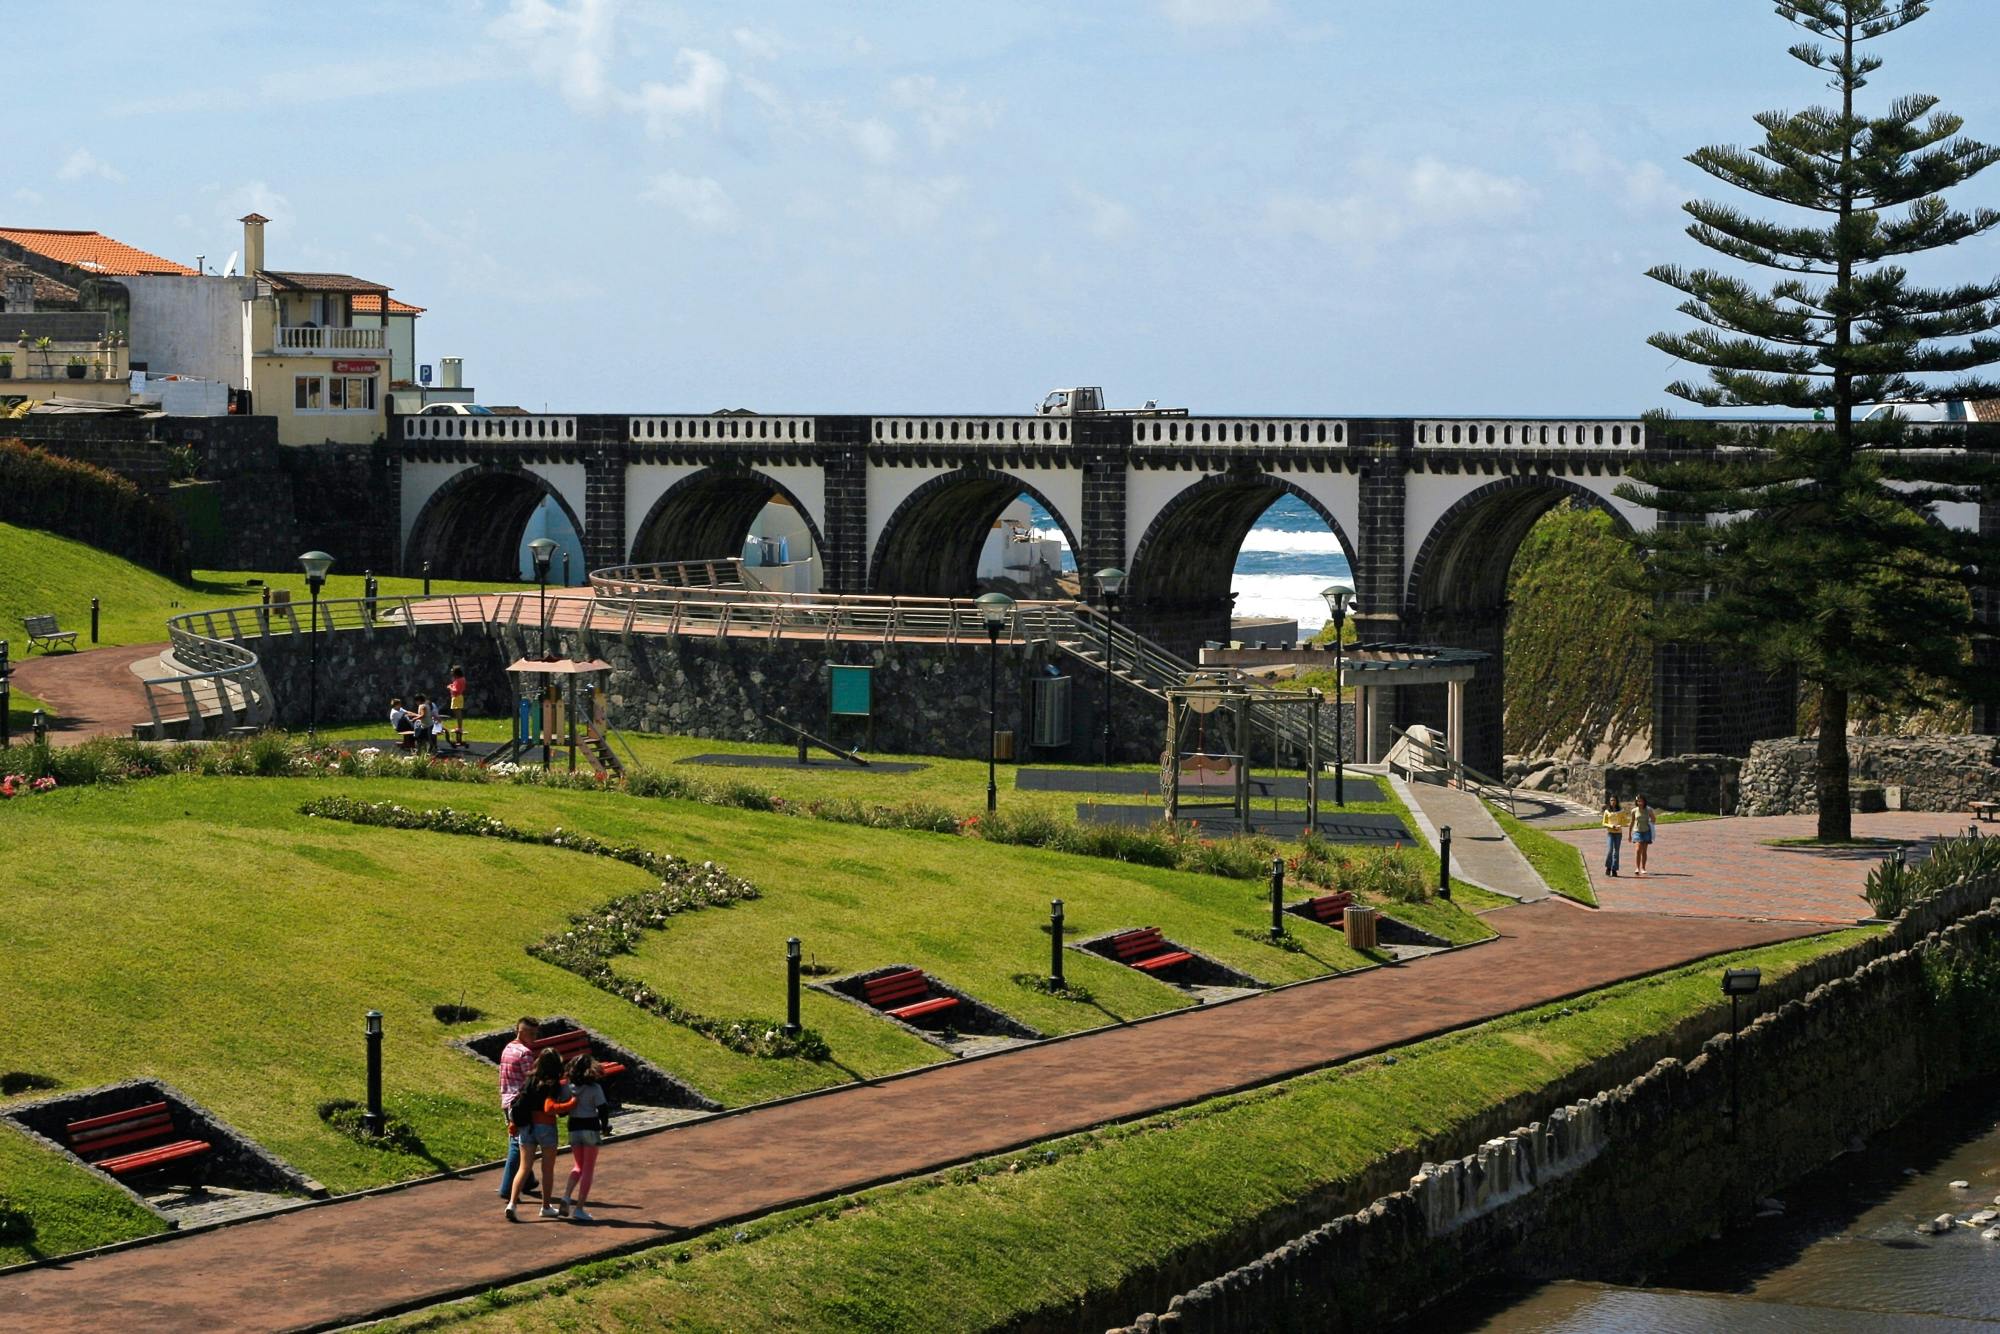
column 1293, row 596
column 1279, row 540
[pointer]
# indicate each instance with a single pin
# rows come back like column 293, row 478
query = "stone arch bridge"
column 1428, row 511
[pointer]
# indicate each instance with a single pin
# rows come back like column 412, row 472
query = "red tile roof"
column 93, row 252
column 1986, row 410
column 368, row 303
column 46, row 289
column 318, row 282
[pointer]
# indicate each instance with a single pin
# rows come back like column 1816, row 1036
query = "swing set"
column 1237, row 699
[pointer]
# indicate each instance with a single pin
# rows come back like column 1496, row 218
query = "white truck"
column 1088, row 401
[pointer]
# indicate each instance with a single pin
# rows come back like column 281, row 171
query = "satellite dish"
column 229, row 269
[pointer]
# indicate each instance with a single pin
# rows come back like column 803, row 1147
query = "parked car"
column 455, row 410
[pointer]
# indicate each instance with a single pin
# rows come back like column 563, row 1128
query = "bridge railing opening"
column 497, row 428
column 711, row 428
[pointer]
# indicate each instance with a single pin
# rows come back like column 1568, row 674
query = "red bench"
column 1328, row 908
column 905, row 994
column 1146, row 950
column 98, row 1140
column 573, row 1044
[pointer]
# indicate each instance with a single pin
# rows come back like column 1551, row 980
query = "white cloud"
column 756, row 45
column 32, row 198
column 699, row 199
column 83, row 163
column 1106, row 219
column 1636, row 187
column 945, row 114
column 255, row 197
column 566, row 45
column 1426, row 195
column 1215, row 13
column 698, row 95
column 874, row 139
column 912, row 204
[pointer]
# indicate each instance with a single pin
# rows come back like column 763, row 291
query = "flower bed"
column 592, row 939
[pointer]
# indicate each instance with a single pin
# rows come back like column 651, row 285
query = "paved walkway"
column 1480, row 852
column 1710, row 868
column 371, row 1255
column 94, row 693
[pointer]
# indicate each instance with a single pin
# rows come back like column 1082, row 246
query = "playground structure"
column 1206, row 694
column 544, row 718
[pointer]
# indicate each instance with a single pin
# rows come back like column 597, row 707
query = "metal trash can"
column 1359, row 924
column 1003, row 744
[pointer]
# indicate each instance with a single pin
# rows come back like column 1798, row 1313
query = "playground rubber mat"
column 1368, row 830
column 1126, row 784
column 791, row 762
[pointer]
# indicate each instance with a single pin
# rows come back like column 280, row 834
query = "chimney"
column 253, row 243
column 453, row 373
column 20, row 294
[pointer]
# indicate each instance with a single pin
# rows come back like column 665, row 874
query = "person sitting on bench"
column 404, row 724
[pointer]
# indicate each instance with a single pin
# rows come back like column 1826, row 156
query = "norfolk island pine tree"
column 1818, row 551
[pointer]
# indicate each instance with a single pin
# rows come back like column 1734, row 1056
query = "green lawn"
column 43, row 573
column 1001, row 1240
column 201, row 931
column 1558, row 864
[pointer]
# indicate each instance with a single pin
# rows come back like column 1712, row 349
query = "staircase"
column 1149, row 667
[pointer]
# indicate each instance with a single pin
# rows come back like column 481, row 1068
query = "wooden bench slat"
column 159, row 1157
column 922, row 1008
column 109, row 1118
column 97, row 1141
column 1162, row 960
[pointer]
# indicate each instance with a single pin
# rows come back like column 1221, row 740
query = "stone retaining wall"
column 1929, row 773
column 1603, row 1184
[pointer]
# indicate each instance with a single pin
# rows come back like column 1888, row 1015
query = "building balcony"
column 309, row 338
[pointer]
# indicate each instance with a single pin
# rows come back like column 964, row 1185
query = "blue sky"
column 1231, row 205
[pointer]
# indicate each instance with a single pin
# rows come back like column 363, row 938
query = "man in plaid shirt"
column 515, row 1063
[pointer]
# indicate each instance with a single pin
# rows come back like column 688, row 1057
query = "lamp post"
column 316, row 564
column 996, row 608
column 373, row 1121
column 792, row 987
column 543, row 550
column 1056, row 945
column 1736, row 984
column 1110, row 579
column 1338, row 598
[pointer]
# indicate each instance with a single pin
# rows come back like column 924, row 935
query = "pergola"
column 1370, row 669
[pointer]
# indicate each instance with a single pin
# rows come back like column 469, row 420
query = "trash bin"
column 1003, row 744
column 1360, row 926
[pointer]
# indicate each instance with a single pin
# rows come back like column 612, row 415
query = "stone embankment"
column 1599, row 1186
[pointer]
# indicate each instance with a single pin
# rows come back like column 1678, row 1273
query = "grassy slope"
column 1001, row 1239
column 1559, row 865
column 205, row 933
column 40, row 572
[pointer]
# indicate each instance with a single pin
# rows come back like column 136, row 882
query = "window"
column 333, row 393
column 336, row 398
column 306, row 393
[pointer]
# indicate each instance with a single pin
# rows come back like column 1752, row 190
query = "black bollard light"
column 1277, row 898
column 373, row 1121
column 792, row 987
column 93, row 620
column 39, row 724
column 1736, row 984
column 427, row 578
column 1056, row 944
column 6, row 702
column 1444, row 863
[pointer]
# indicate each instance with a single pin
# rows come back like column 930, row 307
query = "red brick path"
column 93, row 693
column 369, row 1255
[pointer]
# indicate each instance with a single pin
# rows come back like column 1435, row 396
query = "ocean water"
column 1289, row 556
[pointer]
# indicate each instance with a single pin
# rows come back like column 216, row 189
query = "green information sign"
column 851, row 689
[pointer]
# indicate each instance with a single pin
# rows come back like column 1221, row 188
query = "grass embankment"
column 41, row 573
column 201, row 931
column 1558, row 864
column 1004, row 1238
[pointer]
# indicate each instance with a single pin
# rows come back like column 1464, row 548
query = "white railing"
column 312, row 338
column 1239, row 431
column 637, row 580
column 711, row 429
column 456, row 427
column 969, row 430
column 1468, row 433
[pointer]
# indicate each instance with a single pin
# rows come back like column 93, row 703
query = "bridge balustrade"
column 972, row 430
column 1498, row 434
column 1238, row 431
column 710, row 429
column 532, row 427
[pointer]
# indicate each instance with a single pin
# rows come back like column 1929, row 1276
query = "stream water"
column 1845, row 1253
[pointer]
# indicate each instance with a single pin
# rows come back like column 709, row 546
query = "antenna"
column 229, row 269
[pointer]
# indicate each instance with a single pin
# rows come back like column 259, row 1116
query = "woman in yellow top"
column 1616, row 824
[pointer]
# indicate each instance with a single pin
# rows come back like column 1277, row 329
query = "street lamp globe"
column 316, row 564
column 1111, row 579
column 543, row 549
column 995, row 608
column 1339, row 598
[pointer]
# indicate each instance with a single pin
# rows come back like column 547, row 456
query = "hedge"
column 89, row 504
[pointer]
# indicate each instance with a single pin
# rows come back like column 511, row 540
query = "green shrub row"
column 594, row 937
column 1893, row 886
column 43, row 490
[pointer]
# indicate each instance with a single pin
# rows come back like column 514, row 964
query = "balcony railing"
column 311, row 338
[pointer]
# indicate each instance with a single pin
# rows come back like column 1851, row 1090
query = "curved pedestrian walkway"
column 1481, row 852
column 367, row 1256
column 93, row 693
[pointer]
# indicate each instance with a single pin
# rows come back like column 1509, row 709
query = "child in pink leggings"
column 586, row 1123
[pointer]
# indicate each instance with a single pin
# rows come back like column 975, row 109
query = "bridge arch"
column 471, row 526
column 707, row 515
column 930, row 545
column 1456, row 594
column 1178, row 588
